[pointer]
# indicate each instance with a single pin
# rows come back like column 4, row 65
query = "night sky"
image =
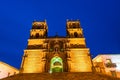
column 100, row 20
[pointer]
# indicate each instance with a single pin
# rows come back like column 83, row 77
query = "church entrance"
column 56, row 65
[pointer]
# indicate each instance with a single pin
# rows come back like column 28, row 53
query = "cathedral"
column 61, row 57
column 56, row 54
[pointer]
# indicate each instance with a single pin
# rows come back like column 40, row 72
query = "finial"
column 34, row 20
column 56, row 34
column 67, row 20
column 45, row 20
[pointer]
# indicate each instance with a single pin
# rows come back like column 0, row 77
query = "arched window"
column 75, row 34
column 41, row 26
column 74, row 25
column 37, row 35
column 37, row 27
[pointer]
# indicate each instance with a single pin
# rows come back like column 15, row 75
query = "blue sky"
column 100, row 20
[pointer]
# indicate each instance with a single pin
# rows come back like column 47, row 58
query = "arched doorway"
column 56, row 64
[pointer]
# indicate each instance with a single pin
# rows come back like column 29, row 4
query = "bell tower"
column 79, row 59
column 39, row 30
column 34, row 57
column 74, row 29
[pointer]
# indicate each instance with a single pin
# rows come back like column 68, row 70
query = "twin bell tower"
column 56, row 54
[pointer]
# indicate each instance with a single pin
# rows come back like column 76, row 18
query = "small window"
column 37, row 35
column 75, row 34
column 108, row 61
column 74, row 25
column 113, row 73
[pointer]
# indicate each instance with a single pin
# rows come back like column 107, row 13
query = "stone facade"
column 108, row 64
column 7, row 70
column 57, row 53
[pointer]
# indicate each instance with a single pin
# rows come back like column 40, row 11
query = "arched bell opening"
column 56, row 64
column 37, row 35
column 75, row 34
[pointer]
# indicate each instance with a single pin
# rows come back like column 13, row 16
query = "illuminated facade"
column 108, row 64
column 7, row 70
column 56, row 54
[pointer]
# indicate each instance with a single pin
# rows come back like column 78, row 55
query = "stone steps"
column 61, row 76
